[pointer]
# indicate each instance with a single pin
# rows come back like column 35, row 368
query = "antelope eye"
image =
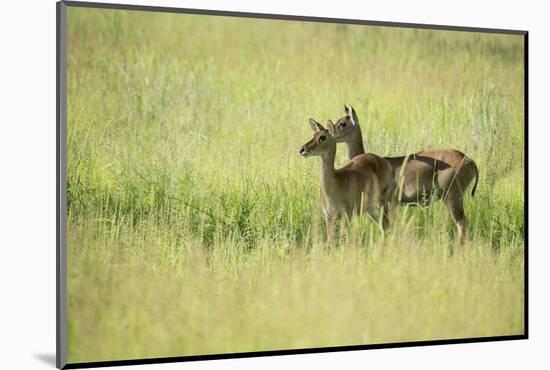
column 344, row 124
column 323, row 137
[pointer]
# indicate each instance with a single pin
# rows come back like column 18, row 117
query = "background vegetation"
column 194, row 226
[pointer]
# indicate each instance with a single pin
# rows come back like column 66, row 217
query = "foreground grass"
column 150, row 293
column 194, row 227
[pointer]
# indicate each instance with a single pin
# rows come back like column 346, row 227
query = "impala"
column 364, row 185
column 422, row 177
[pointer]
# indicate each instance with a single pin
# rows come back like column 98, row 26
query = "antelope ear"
column 331, row 127
column 346, row 110
column 353, row 115
column 315, row 126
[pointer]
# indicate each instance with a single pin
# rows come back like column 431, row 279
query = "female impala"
column 365, row 184
column 422, row 177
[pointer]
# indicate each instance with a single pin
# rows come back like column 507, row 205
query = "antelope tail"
column 477, row 178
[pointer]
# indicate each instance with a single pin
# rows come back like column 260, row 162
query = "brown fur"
column 364, row 185
column 421, row 177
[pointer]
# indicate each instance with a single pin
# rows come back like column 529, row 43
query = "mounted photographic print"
column 235, row 184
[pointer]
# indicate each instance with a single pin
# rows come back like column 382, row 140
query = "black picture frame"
column 61, row 188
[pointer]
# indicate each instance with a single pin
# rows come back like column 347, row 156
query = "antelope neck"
column 327, row 164
column 355, row 145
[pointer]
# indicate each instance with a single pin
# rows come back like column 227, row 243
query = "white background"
column 27, row 182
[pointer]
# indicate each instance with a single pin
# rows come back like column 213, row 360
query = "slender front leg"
column 385, row 217
column 330, row 223
column 389, row 202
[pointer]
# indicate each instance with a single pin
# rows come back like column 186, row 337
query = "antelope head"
column 322, row 142
column 346, row 127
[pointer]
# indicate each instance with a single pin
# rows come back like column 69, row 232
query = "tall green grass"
column 195, row 227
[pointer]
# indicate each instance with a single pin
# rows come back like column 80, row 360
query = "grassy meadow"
column 194, row 227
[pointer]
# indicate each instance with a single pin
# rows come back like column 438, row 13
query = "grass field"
column 194, row 226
